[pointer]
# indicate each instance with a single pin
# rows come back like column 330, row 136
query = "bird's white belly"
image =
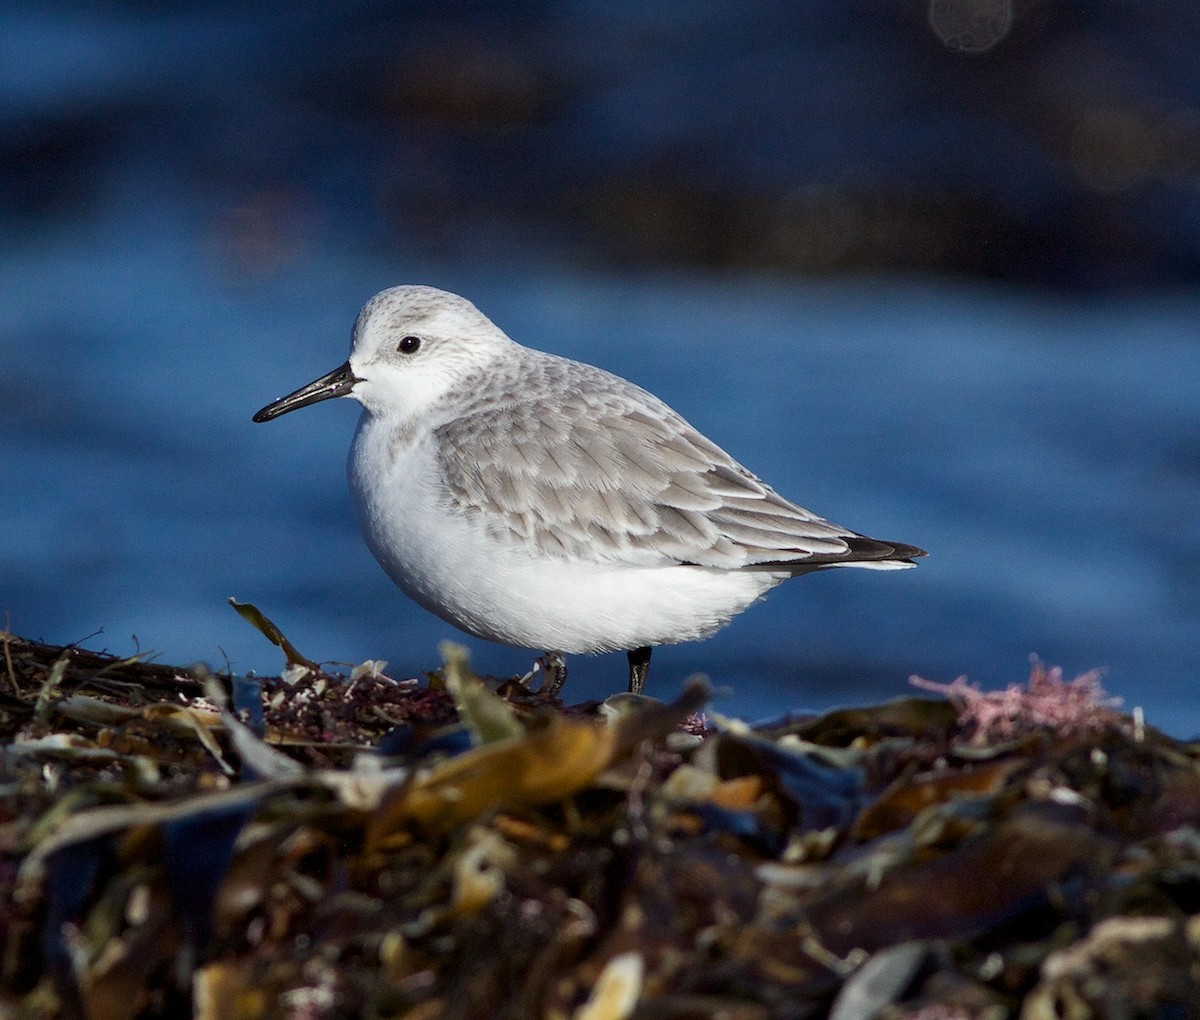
column 495, row 588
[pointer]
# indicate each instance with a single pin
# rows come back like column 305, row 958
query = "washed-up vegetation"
column 174, row 843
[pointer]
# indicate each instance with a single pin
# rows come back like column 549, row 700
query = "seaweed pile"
column 174, row 843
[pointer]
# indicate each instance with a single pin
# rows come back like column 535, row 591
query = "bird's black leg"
column 639, row 666
column 555, row 668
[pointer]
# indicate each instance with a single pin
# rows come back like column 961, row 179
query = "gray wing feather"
column 578, row 463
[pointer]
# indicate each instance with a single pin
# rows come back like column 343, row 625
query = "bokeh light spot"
column 970, row 26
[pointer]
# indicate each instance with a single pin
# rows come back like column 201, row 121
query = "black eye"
column 409, row 345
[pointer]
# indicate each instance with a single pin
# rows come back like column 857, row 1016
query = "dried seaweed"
column 174, row 843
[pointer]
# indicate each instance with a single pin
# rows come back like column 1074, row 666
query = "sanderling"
column 541, row 502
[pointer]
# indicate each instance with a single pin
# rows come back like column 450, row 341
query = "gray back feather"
column 613, row 474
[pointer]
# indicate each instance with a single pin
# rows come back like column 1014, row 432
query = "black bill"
column 337, row 383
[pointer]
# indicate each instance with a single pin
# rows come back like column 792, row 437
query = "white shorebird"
column 541, row 502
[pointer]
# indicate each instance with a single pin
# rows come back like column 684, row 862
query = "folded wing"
column 618, row 476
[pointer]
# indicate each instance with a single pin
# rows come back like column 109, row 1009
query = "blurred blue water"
column 1045, row 450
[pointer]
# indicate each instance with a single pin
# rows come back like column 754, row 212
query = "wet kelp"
column 174, row 843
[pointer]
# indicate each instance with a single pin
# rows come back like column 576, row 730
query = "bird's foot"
column 553, row 666
column 639, row 667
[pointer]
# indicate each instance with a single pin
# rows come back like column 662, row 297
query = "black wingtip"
column 906, row 552
column 863, row 548
column 859, row 549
